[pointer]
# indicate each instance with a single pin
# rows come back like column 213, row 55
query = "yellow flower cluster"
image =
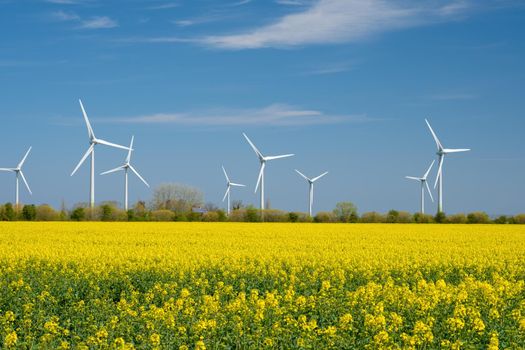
column 261, row 286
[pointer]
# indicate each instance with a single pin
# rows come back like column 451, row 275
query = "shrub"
column 458, row 218
column 162, row 215
column 373, row 217
column 78, row 214
column 210, row 216
column 519, row 219
column 29, row 212
column 45, row 212
column 251, row 215
column 502, row 219
column 325, row 216
column 274, row 215
column 440, row 217
column 478, row 217
column 237, row 215
column 345, row 212
column 423, row 218
column 293, row 217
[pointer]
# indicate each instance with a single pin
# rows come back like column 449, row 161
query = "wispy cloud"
column 66, row 2
column 339, row 21
column 65, row 16
column 291, row 2
column 275, row 114
column 332, row 68
column 101, row 22
column 165, row 6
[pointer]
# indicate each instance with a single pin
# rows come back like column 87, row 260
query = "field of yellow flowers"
column 254, row 286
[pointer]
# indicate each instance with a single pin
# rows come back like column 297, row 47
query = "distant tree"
column 9, row 212
column 222, row 215
column 209, row 206
column 45, row 212
column 392, row 216
column 107, row 212
column 78, row 214
column 440, row 217
column 162, row 215
column 63, row 211
column 324, row 217
column 404, row 217
column 519, row 219
column 210, row 216
column 502, row 219
column 458, row 218
column 177, row 197
column 252, row 214
column 293, row 217
column 237, row 204
column 345, row 212
column 29, row 212
column 423, row 218
column 478, row 217
column 274, row 215
column 372, row 217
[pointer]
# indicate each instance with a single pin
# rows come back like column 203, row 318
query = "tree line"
column 176, row 202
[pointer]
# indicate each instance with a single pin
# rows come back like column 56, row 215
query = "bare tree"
column 177, row 197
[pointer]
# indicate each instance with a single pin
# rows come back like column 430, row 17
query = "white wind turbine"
column 441, row 152
column 127, row 166
column 311, row 192
column 19, row 174
column 263, row 160
column 93, row 141
column 424, row 183
column 229, row 185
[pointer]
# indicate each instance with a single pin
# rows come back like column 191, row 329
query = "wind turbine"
column 441, row 152
column 311, row 193
column 19, row 173
column 423, row 181
column 93, row 141
column 263, row 160
column 127, row 166
column 228, row 188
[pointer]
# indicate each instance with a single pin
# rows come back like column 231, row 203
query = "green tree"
column 440, row 217
column 177, row 197
column 345, row 212
column 78, row 214
column 9, row 212
column 29, row 212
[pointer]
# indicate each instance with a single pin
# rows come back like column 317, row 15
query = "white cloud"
column 168, row 5
column 339, row 21
column 275, row 114
column 65, row 16
column 101, row 22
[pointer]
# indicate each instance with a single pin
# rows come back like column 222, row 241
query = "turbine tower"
column 93, row 141
column 19, row 174
column 127, row 166
column 263, row 160
column 424, row 183
column 311, row 192
column 442, row 152
column 229, row 185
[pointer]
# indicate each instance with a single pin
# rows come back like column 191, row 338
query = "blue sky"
column 343, row 84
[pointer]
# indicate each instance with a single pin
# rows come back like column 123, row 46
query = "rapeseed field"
column 256, row 286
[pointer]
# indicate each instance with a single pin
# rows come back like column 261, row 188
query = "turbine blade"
column 441, row 160
column 226, row 193
column 430, row 193
column 138, row 175
column 6, row 169
column 238, row 185
column 224, row 171
column 25, row 182
column 303, row 175
column 428, row 171
column 260, row 176
column 278, row 157
column 110, row 144
column 253, row 146
column 457, row 150
column 413, row 178
column 128, row 158
column 24, row 159
column 320, row 176
column 88, row 152
column 112, row 170
column 86, row 119
column 438, row 144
